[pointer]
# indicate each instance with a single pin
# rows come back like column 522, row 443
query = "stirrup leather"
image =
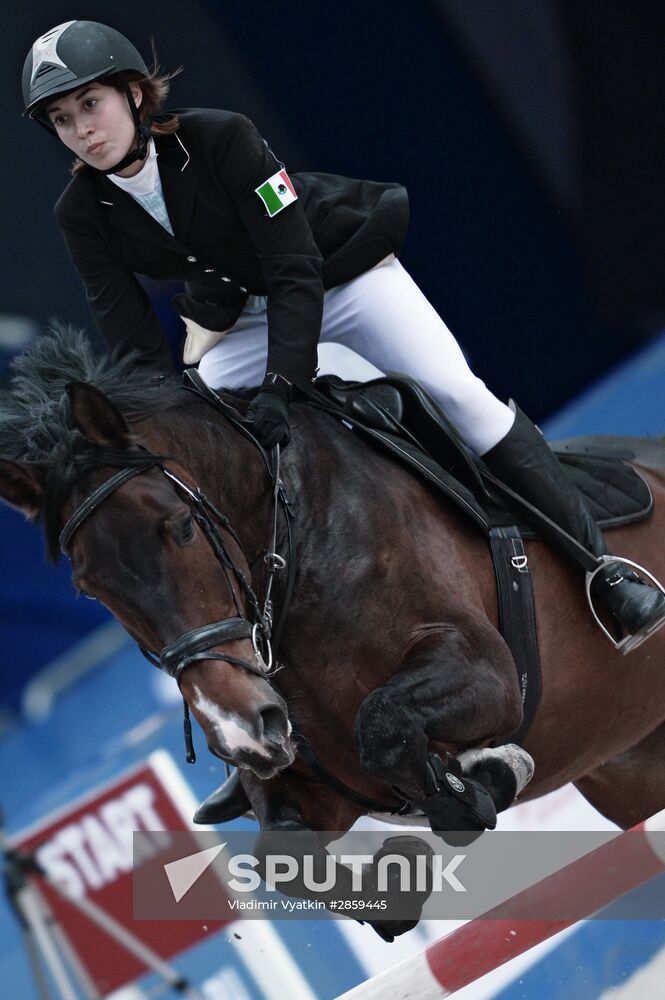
column 628, row 642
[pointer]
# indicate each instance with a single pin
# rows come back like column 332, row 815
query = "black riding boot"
column 525, row 463
column 226, row 803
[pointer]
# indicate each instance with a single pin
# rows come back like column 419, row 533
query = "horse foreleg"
column 455, row 689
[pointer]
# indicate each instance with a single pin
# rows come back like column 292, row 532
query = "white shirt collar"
column 146, row 181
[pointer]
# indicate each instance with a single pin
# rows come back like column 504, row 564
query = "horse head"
column 144, row 540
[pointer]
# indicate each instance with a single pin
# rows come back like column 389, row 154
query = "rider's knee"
column 337, row 359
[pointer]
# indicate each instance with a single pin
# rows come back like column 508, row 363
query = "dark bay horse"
column 390, row 651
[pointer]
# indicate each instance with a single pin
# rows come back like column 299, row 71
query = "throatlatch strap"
column 517, row 618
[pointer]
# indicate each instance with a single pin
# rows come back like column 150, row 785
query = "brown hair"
column 155, row 89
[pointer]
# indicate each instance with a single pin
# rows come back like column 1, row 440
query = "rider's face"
column 95, row 123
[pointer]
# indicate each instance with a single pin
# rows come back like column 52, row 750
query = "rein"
column 195, row 384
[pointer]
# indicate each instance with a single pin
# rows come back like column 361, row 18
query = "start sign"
column 87, row 848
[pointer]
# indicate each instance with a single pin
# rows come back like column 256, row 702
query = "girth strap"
column 517, row 619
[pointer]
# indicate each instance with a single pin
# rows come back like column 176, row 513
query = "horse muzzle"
column 275, row 750
column 267, row 766
column 258, row 739
column 244, row 717
column 265, row 762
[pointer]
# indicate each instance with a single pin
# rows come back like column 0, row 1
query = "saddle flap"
column 380, row 406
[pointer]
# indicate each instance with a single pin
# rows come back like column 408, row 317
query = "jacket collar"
column 179, row 185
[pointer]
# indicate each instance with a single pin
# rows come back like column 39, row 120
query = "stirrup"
column 629, row 642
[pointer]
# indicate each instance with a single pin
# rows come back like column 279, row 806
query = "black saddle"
column 400, row 416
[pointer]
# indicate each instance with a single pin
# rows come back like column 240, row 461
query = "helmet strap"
column 142, row 136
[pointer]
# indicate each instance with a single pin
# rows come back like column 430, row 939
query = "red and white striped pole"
column 580, row 889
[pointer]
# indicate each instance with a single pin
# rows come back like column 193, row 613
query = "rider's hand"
column 269, row 411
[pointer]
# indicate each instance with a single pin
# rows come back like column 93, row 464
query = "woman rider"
column 272, row 265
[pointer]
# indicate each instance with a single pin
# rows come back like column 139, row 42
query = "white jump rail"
column 582, row 888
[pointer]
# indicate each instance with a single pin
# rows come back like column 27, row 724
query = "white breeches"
column 378, row 322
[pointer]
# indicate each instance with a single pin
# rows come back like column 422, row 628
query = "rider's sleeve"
column 289, row 257
column 119, row 304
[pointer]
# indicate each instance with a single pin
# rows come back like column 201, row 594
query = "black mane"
column 36, row 424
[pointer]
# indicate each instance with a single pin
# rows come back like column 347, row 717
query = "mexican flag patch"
column 277, row 192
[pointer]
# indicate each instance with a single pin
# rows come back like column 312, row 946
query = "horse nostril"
column 273, row 723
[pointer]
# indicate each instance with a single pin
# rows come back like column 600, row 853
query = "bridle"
column 264, row 633
column 194, row 645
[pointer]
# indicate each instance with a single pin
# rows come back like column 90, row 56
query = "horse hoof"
column 504, row 771
column 227, row 802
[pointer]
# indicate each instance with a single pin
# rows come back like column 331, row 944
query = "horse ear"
column 98, row 419
column 21, row 487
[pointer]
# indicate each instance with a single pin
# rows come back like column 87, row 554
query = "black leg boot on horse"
column 458, row 808
column 523, row 461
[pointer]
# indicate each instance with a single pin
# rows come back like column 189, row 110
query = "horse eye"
column 188, row 528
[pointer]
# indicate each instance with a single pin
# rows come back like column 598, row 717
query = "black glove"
column 269, row 411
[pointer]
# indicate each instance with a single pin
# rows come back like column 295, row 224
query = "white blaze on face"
column 232, row 733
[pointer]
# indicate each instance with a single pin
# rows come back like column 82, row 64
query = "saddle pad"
column 616, row 492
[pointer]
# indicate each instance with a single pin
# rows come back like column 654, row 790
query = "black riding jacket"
column 225, row 245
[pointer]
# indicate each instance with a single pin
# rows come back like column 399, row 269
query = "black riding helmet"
column 75, row 53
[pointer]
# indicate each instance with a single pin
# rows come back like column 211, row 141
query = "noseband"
column 193, row 645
